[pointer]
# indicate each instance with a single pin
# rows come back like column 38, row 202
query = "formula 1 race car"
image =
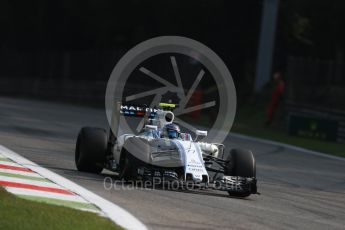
column 161, row 152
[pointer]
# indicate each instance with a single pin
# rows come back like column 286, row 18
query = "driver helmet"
column 172, row 131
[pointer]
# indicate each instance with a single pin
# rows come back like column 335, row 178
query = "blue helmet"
column 171, row 131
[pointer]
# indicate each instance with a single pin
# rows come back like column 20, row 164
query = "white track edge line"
column 288, row 146
column 114, row 212
column 13, row 164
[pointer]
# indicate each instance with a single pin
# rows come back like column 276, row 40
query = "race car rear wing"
column 138, row 111
column 142, row 110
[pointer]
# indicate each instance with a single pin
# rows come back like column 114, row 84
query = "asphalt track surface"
column 298, row 190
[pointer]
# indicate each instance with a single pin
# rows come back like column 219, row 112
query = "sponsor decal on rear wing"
column 137, row 111
column 143, row 110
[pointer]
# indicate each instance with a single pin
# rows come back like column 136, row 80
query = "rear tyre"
column 91, row 149
column 241, row 163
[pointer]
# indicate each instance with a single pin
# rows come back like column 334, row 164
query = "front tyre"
column 91, row 149
column 241, row 165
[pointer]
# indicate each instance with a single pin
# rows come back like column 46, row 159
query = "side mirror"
column 200, row 133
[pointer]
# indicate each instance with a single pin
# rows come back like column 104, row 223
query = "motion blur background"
column 65, row 51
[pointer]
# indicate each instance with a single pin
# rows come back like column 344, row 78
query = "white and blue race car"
column 160, row 152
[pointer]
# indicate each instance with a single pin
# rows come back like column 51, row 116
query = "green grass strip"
column 250, row 120
column 66, row 203
column 18, row 214
column 24, row 177
column 5, row 159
